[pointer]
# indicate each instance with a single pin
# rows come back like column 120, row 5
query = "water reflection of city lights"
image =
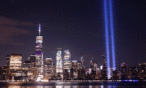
column 114, row 86
column 129, row 80
column 66, row 86
column 90, row 86
column 14, row 87
column 102, row 86
column 39, row 87
column 75, row 87
column 59, row 86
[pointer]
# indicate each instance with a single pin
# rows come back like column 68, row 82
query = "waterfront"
column 99, row 84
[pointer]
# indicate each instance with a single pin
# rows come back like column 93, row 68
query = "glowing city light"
column 38, row 79
column 101, row 67
column 15, row 61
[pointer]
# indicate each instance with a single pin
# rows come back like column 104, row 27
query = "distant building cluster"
column 65, row 68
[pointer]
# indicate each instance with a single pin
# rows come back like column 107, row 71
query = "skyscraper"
column 67, row 62
column 59, row 63
column 39, row 54
column 82, row 61
column 15, row 61
column 123, row 70
column 103, row 71
column 48, row 68
column 32, row 59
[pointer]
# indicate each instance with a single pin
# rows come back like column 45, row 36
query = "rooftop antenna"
column 39, row 29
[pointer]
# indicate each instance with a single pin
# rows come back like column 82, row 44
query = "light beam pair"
column 109, row 31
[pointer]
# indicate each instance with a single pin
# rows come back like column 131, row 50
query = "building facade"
column 67, row 64
column 39, row 54
column 48, row 68
column 59, row 64
column 15, row 61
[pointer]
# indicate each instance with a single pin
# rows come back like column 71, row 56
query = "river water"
column 73, row 85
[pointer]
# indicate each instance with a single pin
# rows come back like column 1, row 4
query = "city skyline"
column 78, row 27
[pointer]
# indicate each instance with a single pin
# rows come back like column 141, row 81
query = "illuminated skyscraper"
column 15, row 61
column 48, row 69
column 76, row 66
column 67, row 62
column 39, row 54
column 59, row 63
column 82, row 61
column 123, row 70
column 67, row 55
column 104, row 70
column 32, row 59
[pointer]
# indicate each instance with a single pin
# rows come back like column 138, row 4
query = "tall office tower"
column 67, row 64
column 82, row 61
column 132, row 73
column 92, row 63
column 59, row 63
column 15, row 61
column 76, row 69
column 39, row 54
column 123, row 69
column 142, row 70
column 67, row 61
column 93, row 69
column 32, row 59
column 104, row 70
column 15, row 65
column 48, row 69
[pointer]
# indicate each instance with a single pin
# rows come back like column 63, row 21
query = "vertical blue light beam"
column 106, row 38
column 112, row 34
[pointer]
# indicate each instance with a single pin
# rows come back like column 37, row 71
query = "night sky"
column 77, row 25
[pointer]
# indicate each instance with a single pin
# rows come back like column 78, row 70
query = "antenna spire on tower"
column 39, row 29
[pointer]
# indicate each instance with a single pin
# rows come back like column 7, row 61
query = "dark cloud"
column 12, row 28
